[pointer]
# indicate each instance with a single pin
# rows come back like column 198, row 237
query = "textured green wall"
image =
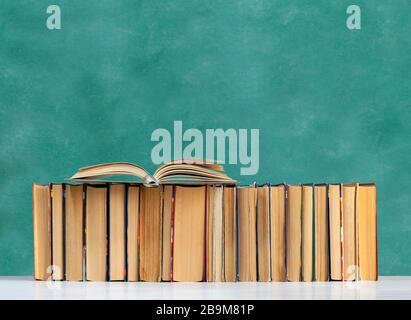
column 332, row 105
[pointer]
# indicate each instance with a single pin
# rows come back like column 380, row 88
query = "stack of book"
column 190, row 222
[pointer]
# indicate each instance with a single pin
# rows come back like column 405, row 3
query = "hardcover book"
column 334, row 213
column 307, row 233
column 321, row 233
column 366, row 211
column 349, row 232
column 278, row 233
column 133, row 249
column 293, row 211
column 42, row 231
column 150, row 234
column 230, row 234
column 247, row 238
column 263, row 233
column 57, row 214
column 96, row 233
column 188, row 245
column 74, row 233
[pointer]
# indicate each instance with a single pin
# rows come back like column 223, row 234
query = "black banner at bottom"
column 189, row 309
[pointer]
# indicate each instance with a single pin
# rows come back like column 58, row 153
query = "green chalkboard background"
column 331, row 104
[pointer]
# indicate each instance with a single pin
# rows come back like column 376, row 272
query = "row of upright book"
column 133, row 232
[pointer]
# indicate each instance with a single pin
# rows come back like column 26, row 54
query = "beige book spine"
column 335, row 232
column 150, row 234
column 247, row 241
column 218, row 235
column 348, row 232
column 230, row 234
column 189, row 228
column 42, row 231
column 96, row 233
column 133, row 205
column 167, row 215
column 321, row 234
column 293, row 198
column 357, row 239
column 57, row 219
column 74, row 233
column 307, row 233
column 209, row 233
column 278, row 233
column 367, row 232
column 117, row 228
column 263, row 233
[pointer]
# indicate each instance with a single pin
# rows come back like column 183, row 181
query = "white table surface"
column 27, row 288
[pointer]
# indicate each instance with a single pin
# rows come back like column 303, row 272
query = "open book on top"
column 187, row 171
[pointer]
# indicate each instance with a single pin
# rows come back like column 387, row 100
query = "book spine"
column 172, row 234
